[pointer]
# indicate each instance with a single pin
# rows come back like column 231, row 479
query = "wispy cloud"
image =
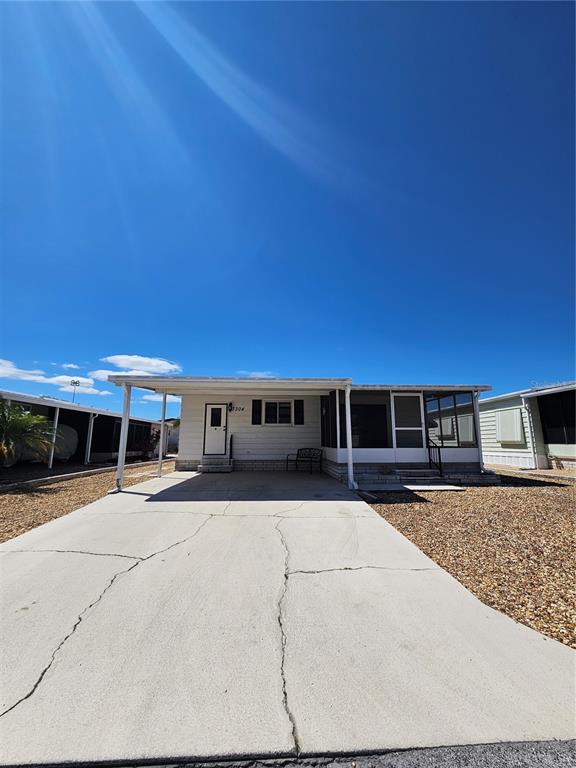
column 158, row 398
column 71, row 366
column 257, row 374
column 151, row 365
column 285, row 128
column 9, row 370
column 133, row 94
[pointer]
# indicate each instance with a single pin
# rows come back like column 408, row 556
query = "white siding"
column 517, row 454
column 251, row 442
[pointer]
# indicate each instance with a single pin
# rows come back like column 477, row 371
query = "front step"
column 215, row 464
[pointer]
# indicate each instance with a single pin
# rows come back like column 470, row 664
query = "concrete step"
column 215, row 467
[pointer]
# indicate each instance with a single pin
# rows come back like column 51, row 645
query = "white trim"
column 534, row 392
column 351, row 484
column 476, row 410
column 161, row 439
column 180, row 385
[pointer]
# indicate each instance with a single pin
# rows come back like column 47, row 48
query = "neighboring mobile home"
column 532, row 429
column 377, row 429
column 93, row 434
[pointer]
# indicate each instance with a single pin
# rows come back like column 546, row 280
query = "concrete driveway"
column 254, row 614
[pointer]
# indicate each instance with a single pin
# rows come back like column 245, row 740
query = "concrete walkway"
column 254, row 614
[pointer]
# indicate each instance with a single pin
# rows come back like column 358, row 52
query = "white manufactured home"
column 531, row 429
column 376, row 430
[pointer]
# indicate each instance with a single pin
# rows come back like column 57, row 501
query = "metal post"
column 475, row 397
column 53, row 443
column 351, row 483
column 161, row 441
column 337, row 419
column 123, row 437
column 93, row 416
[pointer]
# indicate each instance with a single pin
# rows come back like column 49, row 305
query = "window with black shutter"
column 298, row 411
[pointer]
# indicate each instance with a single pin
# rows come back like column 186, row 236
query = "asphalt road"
column 538, row 754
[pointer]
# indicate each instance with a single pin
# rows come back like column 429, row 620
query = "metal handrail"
column 230, row 445
column 435, row 456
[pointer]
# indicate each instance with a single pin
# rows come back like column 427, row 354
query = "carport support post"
column 351, row 483
column 161, row 441
column 123, row 437
column 53, row 443
column 89, row 438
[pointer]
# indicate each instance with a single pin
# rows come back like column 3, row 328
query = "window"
column 277, row 412
column 557, row 414
column 509, row 426
column 283, row 412
column 450, row 419
column 216, row 417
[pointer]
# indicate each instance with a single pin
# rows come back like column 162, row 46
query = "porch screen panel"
column 409, row 438
column 557, row 414
column 465, row 420
column 450, row 419
column 369, row 425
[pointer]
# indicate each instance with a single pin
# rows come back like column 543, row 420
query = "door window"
column 215, row 417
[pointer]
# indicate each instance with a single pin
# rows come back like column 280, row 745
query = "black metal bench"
column 305, row 458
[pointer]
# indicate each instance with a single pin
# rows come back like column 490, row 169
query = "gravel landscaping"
column 27, row 507
column 512, row 546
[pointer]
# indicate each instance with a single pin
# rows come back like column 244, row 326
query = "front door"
column 409, row 428
column 215, row 429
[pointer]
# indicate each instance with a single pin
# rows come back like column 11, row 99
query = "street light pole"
column 74, row 383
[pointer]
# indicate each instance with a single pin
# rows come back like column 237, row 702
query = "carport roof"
column 180, row 385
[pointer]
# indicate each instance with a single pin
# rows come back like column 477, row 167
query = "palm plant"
column 21, row 429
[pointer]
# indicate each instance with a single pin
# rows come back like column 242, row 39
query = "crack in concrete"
column 363, row 568
column 286, row 511
column 73, row 552
column 287, row 709
column 83, row 613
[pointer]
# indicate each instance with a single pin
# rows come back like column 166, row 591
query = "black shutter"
column 256, row 411
column 298, row 411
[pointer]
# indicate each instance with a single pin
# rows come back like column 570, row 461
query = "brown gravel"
column 513, row 546
column 26, row 508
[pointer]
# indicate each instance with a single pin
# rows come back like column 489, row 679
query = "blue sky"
column 378, row 190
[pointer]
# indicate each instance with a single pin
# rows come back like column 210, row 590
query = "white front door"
column 215, row 429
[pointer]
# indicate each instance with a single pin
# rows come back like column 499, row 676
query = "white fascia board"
column 551, row 391
column 424, row 387
column 534, row 392
column 64, row 405
column 182, row 385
